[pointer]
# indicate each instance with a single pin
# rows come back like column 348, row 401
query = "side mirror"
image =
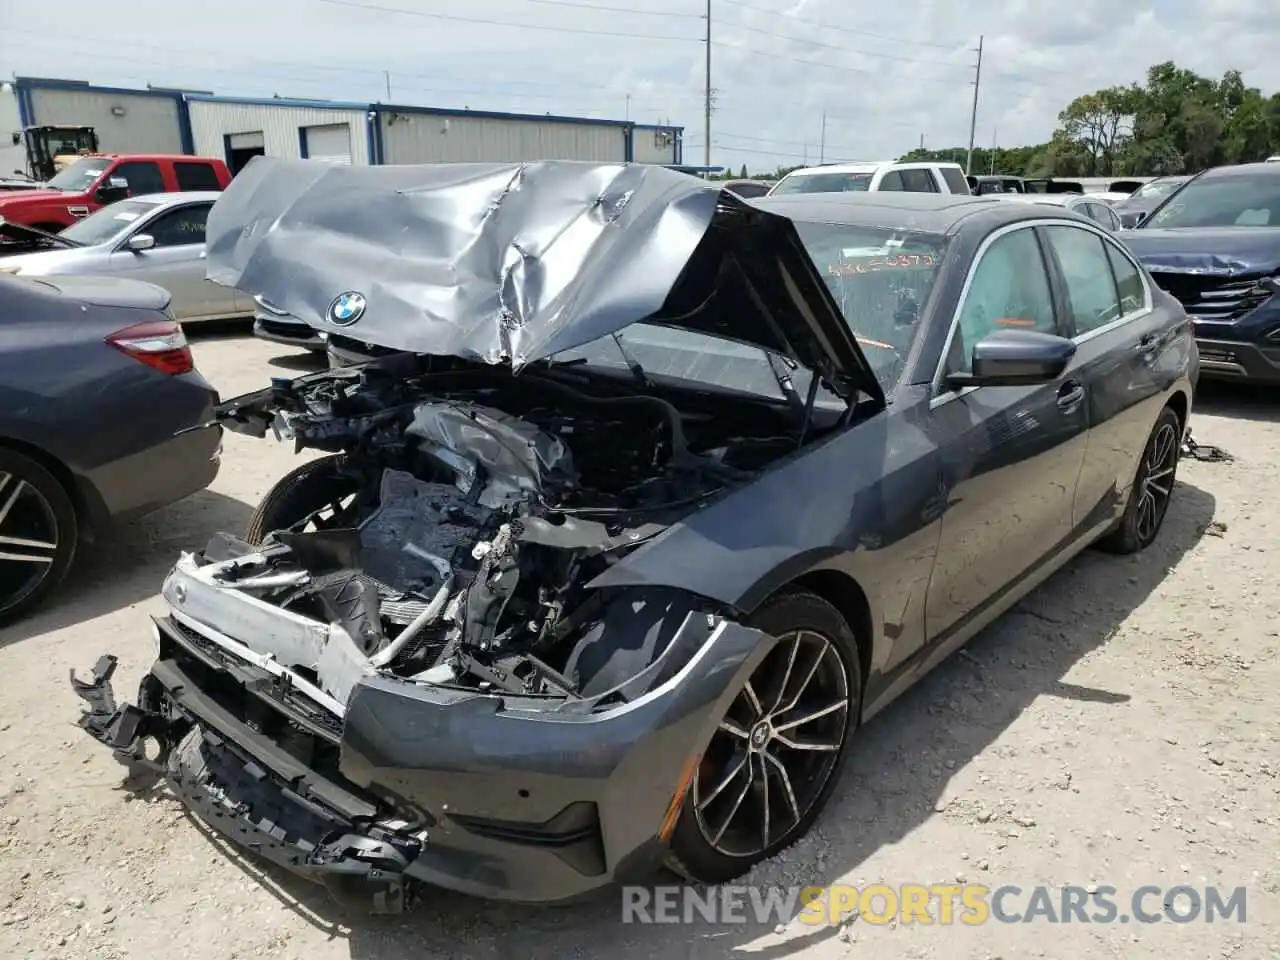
column 141, row 241
column 116, row 188
column 1016, row 358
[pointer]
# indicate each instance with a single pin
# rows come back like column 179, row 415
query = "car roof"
column 177, row 196
column 867, row 166
column 940, row 213
column 1241, row 170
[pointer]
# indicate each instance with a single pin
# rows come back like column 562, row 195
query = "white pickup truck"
column 864, row 176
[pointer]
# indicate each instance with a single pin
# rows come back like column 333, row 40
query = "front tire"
column 39, row 533
column 315, row 486
column 772, row 763
column 1152, row 489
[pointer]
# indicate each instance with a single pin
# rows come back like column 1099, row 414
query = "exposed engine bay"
column 478, row 508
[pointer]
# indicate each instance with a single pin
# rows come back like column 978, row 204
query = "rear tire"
column 313, row 486
column 1152, row 489
column 780, row 748
column 39, row 533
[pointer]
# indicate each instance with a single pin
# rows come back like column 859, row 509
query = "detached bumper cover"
column 500, row 797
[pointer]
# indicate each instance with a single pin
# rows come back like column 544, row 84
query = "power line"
column 841, row 47
column 848, row 30
column 481, row 21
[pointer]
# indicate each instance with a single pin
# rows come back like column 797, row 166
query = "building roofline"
column 198, row 96
column 498, row 115
column 51, row 83
column 276, row 102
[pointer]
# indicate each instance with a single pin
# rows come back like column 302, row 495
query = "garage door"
column 247, row 141
column 330, row 142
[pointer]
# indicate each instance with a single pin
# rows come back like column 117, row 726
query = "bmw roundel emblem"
column 346, row 308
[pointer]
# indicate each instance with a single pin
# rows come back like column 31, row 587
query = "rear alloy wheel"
column 38, row 534
column 776, row 753
column 1152, row 488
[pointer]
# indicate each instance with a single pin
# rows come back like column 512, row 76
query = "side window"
column 1081, row 253
column 143, row 176
column 893, row 181
column 956, row 181
column 1128, row 281
column 1009, row 290
column 178, row 227
column 196, row 176
column 919, row 181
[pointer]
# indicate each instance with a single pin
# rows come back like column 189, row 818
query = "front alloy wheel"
column 775, row 754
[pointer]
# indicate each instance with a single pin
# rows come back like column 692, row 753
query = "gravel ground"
column 1117, row 728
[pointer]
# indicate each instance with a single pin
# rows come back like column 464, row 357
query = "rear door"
column 1011, row 456
column 1121, row 340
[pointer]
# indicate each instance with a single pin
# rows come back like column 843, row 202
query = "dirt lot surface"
column 1119, row 728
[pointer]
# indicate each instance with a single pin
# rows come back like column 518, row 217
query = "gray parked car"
column 1087, row 205
column 103, row 417
column 158, row 238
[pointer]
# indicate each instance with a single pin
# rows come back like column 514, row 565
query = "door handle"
column 1147, row 345
column 1070, row 395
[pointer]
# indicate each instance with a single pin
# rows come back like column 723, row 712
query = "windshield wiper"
column 633, row 364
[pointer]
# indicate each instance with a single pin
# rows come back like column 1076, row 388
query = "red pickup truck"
column 93, row 182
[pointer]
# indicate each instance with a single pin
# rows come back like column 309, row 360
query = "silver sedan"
column 158, row 238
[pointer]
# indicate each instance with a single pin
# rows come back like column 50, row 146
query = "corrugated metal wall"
column 150, row 123
column 435, row 138
column 211, row 121
column 655, row 145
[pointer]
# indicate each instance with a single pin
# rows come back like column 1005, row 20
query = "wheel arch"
column 1180, row 404
column 849, row 599
column 90, row 511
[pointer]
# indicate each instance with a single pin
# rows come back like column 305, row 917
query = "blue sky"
column 885, row 74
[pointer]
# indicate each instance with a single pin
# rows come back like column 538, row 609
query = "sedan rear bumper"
column 505, row 798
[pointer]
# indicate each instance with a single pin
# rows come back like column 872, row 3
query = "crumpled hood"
column 1215, row 251
column 21, row 233
column 516, row 262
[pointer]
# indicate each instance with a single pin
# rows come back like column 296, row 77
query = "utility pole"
column 627, row 115
column 706, row 119
column 995, row 134
column 922, row 143
column 973, row 117
column 822, row 141
column 387, row 75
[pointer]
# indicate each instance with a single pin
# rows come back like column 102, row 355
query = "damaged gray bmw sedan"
column 664, row 493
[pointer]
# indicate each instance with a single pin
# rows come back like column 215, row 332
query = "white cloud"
column 885, row 74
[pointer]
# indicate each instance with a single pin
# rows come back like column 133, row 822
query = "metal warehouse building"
column 238, row 128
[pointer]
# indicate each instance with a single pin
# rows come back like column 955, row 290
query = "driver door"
column 176, row 262
column 1011, row 456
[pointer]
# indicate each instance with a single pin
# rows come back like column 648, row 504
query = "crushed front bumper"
column 499, row 797
column 246, row 787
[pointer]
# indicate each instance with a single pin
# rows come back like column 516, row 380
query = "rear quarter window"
column 196, row 176
column 956, row 181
